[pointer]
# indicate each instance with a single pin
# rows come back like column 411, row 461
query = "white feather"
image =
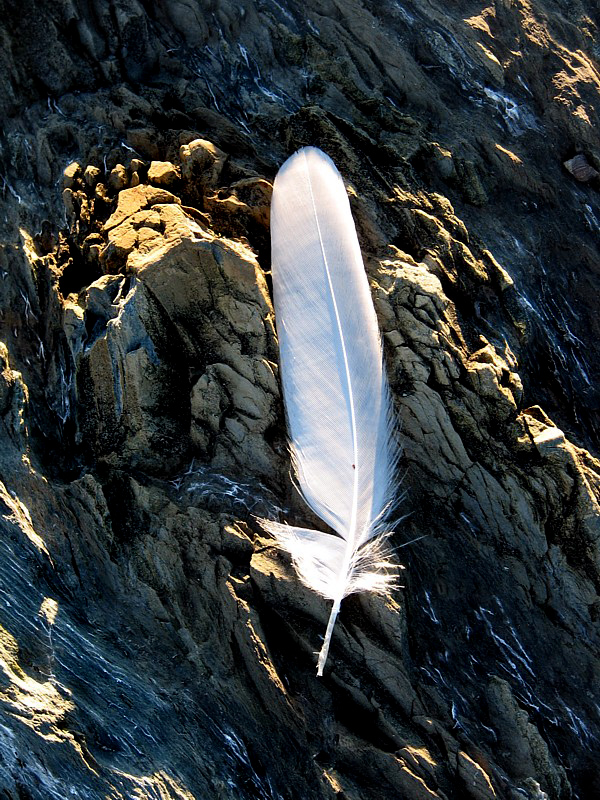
column 334, row 385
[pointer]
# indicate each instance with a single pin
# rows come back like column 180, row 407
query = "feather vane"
column 335, row 389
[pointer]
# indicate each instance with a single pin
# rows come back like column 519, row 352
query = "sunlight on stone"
column 333, row 782
column 514, row 158
column 28, row 246
column 49, row 610
column 21, row 517
column 38, row 704
column 157, row 785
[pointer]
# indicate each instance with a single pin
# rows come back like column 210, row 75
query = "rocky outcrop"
column 153, row 641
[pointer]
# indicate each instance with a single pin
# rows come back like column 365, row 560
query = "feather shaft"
column 335, row 608
column 335, row 389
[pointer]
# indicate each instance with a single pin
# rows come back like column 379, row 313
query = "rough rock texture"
column 153, row 643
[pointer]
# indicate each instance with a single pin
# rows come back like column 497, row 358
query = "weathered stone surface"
column 526, row 752
column 154, row 641
column 13, row 396
column 117, row 179
column 91, row 175
column 231, row 413
column 70, row 175
column 136, row 199
column 145, row 411
column 201, row 164
column 163, row 173
column 477, row 783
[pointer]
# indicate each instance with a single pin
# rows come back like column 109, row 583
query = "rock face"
column 153, row 642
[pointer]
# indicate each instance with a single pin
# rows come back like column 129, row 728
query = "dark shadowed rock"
column 153, row 641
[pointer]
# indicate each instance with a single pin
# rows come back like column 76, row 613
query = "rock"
column 92, row 247
column 163, row 173
column 477, row 783
column 71, row 175
column 201, row 164
column 135, row 199
column 143, row 141
column 147, row 406
column 13, row 396
column 154, row 640
column 231, row 413
column 387, row 771
column 470, row 182
column 117, row 179
column 580, row 168
column 420, row 762
column 526, row 751
column 187, row 19
column 136, row 165
column 548, row 440
column 442, row 163
column 189, row 274
column 489, row 376
column 534, row 790
column 248, row 200
column 74, row 326
column 91, row 175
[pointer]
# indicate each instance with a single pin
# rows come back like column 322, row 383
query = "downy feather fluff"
column 335, row 389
